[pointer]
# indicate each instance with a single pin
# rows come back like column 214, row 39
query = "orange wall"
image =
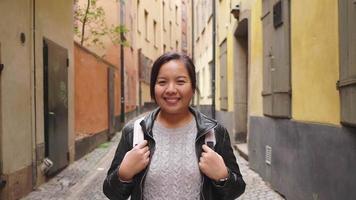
column 130, row 62
column 132, row 79
column 91, row 93
column 113, row 56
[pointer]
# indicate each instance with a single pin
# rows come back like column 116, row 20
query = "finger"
column 201, row 160
column 141, row 145
column 146, row 161
column 147, row 154
column 145, row 149
column 206, row 148
column 201, row 166
column 204, row 154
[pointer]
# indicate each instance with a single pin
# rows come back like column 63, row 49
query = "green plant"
column 90, row 25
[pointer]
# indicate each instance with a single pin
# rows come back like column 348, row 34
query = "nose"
column 171, row 88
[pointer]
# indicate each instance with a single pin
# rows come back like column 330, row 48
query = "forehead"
column 173, row 68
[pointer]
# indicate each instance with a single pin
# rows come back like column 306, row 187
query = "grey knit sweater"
column 174, row 171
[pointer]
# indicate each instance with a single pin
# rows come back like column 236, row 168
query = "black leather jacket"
column 115, row 189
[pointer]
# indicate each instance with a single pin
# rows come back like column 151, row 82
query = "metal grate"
column 268, row 154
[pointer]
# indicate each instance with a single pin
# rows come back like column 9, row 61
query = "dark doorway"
column 55, row 63
column 241, row 82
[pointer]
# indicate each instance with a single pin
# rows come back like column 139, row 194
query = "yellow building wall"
column 230, row 71
column 315, row 68
column 255, row 105
column 223, row 29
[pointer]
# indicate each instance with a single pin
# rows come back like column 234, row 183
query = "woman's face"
column 173, row 88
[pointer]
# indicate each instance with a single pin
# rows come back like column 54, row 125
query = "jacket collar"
column 204, row 123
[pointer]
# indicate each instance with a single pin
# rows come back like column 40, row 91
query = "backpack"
column 210, row 139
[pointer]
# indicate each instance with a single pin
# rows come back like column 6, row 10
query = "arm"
column 113, row 188
column 234, row 185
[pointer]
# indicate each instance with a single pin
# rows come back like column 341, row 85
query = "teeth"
column 172, row 100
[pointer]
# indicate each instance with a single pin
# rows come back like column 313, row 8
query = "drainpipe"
column 34, row 136
column 122, row 70
column 193, row 31
column 213, row 63
column 2, row 181
column 192, row 17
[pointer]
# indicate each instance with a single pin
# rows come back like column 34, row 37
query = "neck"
column 174, row 120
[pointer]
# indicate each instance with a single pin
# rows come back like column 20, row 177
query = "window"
column 146, row 25
column 163, row 15
column 170, row 34
column 177, row 44
column 138, row 16
column 155, row 33
column 176, row 14
column 223, row 76
column 164, row 48
column 131, row 33
column 276, row 59
column 347, row 80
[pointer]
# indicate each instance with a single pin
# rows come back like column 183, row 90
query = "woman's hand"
column 134, row 161
column 212, row 164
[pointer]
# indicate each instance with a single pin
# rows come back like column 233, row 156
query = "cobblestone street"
column 83, row 179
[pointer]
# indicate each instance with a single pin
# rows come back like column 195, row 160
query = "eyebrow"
column 176, row 77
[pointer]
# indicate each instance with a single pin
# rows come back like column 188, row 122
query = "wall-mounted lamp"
column 235, row 11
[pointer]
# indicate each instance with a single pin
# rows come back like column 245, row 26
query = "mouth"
column 171, row 100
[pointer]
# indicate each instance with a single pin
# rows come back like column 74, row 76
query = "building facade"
column 156, row 27
column 203, row 53
column 306, row 125
column 285, row 85
column 37, row 92
column 300, row 93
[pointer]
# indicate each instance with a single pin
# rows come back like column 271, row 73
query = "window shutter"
column 267, row 53
column 276, row 61
column 347, row 81
column 223, row 76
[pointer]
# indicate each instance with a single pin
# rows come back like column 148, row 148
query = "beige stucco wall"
column 22, row 125
column 16, row 87
column 315, row 69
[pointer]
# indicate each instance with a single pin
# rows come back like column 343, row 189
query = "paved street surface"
column 83, row 179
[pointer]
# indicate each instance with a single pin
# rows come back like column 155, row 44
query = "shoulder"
column 222, row 136
column 127, row 130
column 220, row 130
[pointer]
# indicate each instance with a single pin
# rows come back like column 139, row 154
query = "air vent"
column 268, row 154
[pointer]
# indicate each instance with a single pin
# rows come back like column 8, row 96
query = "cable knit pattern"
column 174, row 171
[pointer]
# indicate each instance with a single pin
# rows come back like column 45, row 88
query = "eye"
column 161, row 82
column 181, row 82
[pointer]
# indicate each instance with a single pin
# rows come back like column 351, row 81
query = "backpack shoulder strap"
column 137, row 133
column 210, row 139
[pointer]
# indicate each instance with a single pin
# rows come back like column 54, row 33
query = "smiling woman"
column 173, row 162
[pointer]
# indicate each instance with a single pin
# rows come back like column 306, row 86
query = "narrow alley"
column 83, row 179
